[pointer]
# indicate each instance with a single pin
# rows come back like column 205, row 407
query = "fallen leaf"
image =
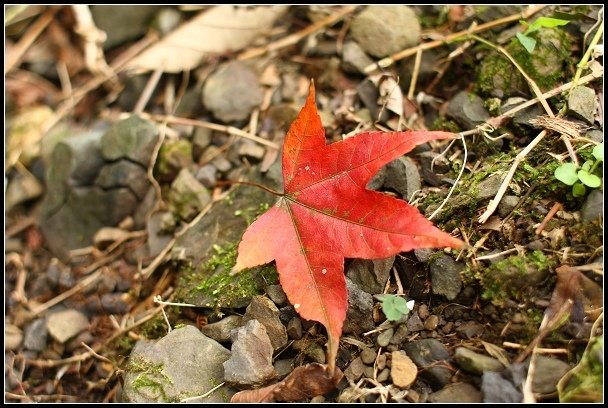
column 218, row 30
column 304, row 382
column 497, row 352
column 326, row 214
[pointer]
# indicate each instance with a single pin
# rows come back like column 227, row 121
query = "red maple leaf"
column 326, row 214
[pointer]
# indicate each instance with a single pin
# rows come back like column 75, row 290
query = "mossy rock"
column 548, row 65
column 207, row 252
column 173, row 156
column 514, row 277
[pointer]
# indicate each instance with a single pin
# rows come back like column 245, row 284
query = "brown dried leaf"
column 497, row 352
column 217, row 30
column 304, row 382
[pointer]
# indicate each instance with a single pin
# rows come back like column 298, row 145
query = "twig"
column 593, row 267
column 94, row 353
column 147, row 92
column 556, row 207
column 492, row 256
column 415, row 73
column 205, row 395
column 148, row 270
column 464, row 162
column 493, row 204
column 89, row 280
column 231, row 130
column 19, row 293
column 294, row 38
column 386, row 62
column 17, row 52
column 540, row 350
column 93, row 39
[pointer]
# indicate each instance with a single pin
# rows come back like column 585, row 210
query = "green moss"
column 221, row 289
column 172, row 156
column 150, row 375
column 514, row 277
column 442, row 123
column 548, row 65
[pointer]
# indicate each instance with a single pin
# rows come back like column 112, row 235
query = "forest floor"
column 126, row 127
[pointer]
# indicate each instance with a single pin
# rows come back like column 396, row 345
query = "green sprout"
column 528, row 42
column 395, row 307
column 570, row 174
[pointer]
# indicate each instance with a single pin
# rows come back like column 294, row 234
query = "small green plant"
column 395, row 307
column 528, row 42
column 588, row 175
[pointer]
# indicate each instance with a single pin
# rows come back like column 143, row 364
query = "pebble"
column 383, row 375
column 220, row 331
column 385, row 337
column 476, row 363
column 581, row 103
column 354, row 59
column 379, row 30
column 12, row 337
column 277, row 295
column 403, row 370
column 355, row 370
column 400, row 334
column 381, row 361
column 368, row 355
column 414, row 324
column 423, row 311
column 469, row 330
column 66, row 324
column 264, row 310
column 206, row 175
column 431, row 323
column 294, row 328
column 457, row 393
column 35, row 335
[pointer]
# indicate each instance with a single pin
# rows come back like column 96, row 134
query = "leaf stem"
column 250, row 183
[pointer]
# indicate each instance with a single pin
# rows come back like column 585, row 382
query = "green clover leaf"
column 588, row 179
column 566, row 173
column 395, row 307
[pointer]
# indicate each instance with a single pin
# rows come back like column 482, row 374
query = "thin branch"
column 464, row 162
column 294, row 38
column 16, row 53
column 583, row 62
column 208, row 125
column 386, row 62
column 415, row 74
column 493, row 204
column 147, row 92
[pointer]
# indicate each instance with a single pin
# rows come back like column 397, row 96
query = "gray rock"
column 220, row 331
column 523, row 116
column 183, row 363
column 116, row 303
column 126, row 174
column 445, row 276
column 13, row 336
column 277, row 295
column 66, row 324
column 476, row 363
column 414, row 323
column 232, row 92
column 187, row 196
column 423, row 254
column 251, row 150
column 547, row 374
column 402, row 176
column 133, row 139
column 385, row 337
column 200, row 140
column 354, row 59
column 457, row 393
column 507, row 204
column 430, row 355
column 283, row 367
column 383, row 375
column 432, row 165
column 368, row 355
column 294, row 328
column 400, row 334
column 581, row 103
column 469, row 330
column 207, row 175
column 595, row 135
column 497, row 389
column 370, row 275
column 360, row 306
column 379, row 30
column 251, row 361
column 264, row 310
column 222, row 164
column 21, row 188
column 354, row 371
column 122, row 23
column 35, row 335
column 593, row 208
column 489, row 186
column 467, row 110
column 157, row 239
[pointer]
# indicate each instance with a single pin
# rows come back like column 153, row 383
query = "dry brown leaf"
column 217, row 30
column 304, row 382
column 497, row 352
